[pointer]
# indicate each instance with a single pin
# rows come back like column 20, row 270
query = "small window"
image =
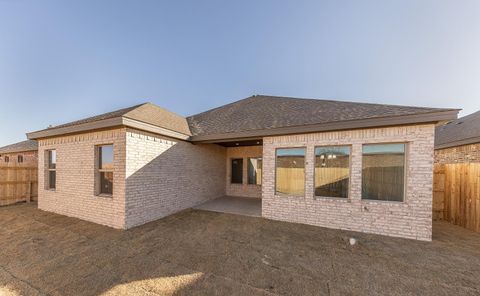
column 255, row 171
column 6, row 159
column 290, row 171
column 332, row 171
column 51, row 169
column 237, row 171
column 20, row 158
column 383, row 172
column 105, row 169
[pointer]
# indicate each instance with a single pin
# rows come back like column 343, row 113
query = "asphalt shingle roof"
column 147, row 112
column 465, row 130
column 268, row 112
column 28, row 145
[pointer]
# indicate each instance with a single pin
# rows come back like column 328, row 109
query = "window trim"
column 20, row 158
column 231, row 170
column 97, row 173
column 406, row 154
column 6, row 159
column 48, row 170
column 275, row 193
column 349, row 195
column 248, row 163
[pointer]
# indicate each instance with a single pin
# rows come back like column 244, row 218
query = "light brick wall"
column 30, row 159
column 459, row 154
column 410, row 219
column 165, row 175
column 75, row 193
column 244, row 189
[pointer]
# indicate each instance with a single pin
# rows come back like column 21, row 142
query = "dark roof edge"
column 432, row 117
column 105, row 124
column 468, row 141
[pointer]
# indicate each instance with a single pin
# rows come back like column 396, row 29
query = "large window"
column 105, row 169
column 332, row 171
column 51, row 169
column 237, row 171
column 383, row 172
column 255, row 171
column 290, row 171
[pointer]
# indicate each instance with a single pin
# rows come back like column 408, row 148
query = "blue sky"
column 64, row 60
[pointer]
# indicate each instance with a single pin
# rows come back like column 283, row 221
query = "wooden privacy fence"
column 18, row 184
column 456, row 194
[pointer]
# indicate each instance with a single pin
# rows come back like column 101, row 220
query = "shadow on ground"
column 204, row 253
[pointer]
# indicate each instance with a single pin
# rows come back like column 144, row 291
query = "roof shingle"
column 28, row 145
column 269, row 112
column 465, row 130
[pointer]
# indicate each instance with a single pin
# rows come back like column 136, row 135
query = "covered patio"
column 245, row 206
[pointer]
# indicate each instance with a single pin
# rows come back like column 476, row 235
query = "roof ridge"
column 351, row 102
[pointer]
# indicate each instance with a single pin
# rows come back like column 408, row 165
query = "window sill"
column 377, row 201
column 288, row 196
column 105, row 195
column 343, row 199
column 51, row 189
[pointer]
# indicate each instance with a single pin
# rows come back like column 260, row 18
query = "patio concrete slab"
column 234, row 205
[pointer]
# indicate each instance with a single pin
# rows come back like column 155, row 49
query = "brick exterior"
column 165, row 175
column 30, row 159
column 244, row 189
column 74, row 195
column 410, row 219
column 459, row 154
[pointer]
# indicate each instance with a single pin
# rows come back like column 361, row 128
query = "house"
column 18, row 172
column 22, row 153
column 457, row 172
column 458, row 141
column 355, row 166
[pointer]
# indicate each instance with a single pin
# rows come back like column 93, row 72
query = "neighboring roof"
column 146, row 116
column 24, row 146
column 465, row 130
column 270, row 115
column 255, row 117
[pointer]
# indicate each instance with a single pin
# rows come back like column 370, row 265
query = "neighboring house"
column 18, row 172
column 458, row 141
column 19, row 154
column 354, row 166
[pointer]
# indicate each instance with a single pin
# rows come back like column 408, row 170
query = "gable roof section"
column 261, row 115
column 24, row 146
column 463, row 131
column 146, row 116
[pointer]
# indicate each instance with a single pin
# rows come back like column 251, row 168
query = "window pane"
column 106, row 182
column 6, row 159
column 106, row 157
column 237, row 171
column 290, row 171
column 52, row 179
column 255, row 171
column 20, row 159
column 52, row 159
column 332, row 171
column 383, row 172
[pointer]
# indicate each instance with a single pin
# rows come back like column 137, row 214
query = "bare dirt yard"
column 204, row 253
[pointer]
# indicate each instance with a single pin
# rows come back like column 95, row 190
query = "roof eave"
column 463, row 142
column 432, row 117
column 105, row 124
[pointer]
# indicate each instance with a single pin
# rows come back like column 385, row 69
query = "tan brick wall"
column 30, row 159
column 75, row 194
column 459, row 154
column 244, row 189
column 165, row 175
column 410, row 219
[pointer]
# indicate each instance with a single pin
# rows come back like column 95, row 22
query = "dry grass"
column 206, row 253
